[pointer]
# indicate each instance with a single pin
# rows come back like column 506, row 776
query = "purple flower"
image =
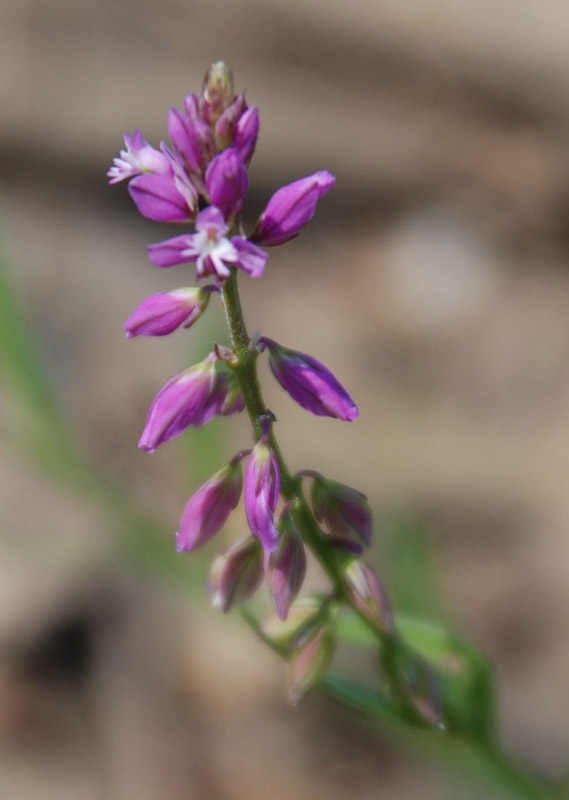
column 262, row 487
column 138, row 157
column 182, row 402
column 285, row 567
column 209, row 507
column 367, row 594
column 226, row 181
column 309, row 382
column 164, row 312
column 246, row 133
column 210, row 249
column 344, row 511
column 236, row 574
column 291, row 207
column 185, row 139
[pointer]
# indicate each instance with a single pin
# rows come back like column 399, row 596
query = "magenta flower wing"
column 164, row 312
column 291, row 208
column 246, row 133
column 309, row 382
column 261, row 492
column 226, row 181
column 182, row 402
column 157, row 198
column 209, row 507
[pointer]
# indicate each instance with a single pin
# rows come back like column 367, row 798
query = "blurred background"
column 433, row 281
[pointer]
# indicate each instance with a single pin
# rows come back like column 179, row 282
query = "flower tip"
column 352, row 413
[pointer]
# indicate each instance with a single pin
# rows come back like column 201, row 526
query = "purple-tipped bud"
column 185, row 139
column 225, row 125
column 262, row 487
column 164, row 312
column 226, row 181
column 310, row 383
column 217, row 90
column 344, row 511
column 209, row 507
column 285, row 567
column 246, row 133
column 310, row 660
column 182, row 402
column 291, row 208
column 367, row 594
column 419, row 683
column 157, row 198
column 236, row 574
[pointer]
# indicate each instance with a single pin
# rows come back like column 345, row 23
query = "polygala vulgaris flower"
column 344, row 511
column 309, row 382
column 261, row 492
column 291, row 208
column 182, row 402
column 210, row 249
column 164, row 312
column 366, row 592
column 139, row 157
column 236, row 574
column 285, row 567
column 209, row 507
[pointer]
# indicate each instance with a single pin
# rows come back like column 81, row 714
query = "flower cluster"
column 200, row 180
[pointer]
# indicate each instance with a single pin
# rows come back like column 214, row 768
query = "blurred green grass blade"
column 20, row 362
column 409, row 559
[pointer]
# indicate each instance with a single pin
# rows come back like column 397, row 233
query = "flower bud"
column 418, row 684
column 344, row 511
column 309, row 382
column 236, row 574
column 217, row 91
column 182, row 402
column 291, row 208
column 225, row 125
column 261, row 492
column 164, row 312
column 285, row 567
column 185, row 139
column 366, row 592
column 246, row 133
column 209, row 507
column 310, row 660
column 226, row 181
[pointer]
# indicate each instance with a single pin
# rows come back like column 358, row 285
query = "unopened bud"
column 217, row 91
column 286, row 566
column 344, row 511
column 310, row 660
column 236, row 574
column 368, row 596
